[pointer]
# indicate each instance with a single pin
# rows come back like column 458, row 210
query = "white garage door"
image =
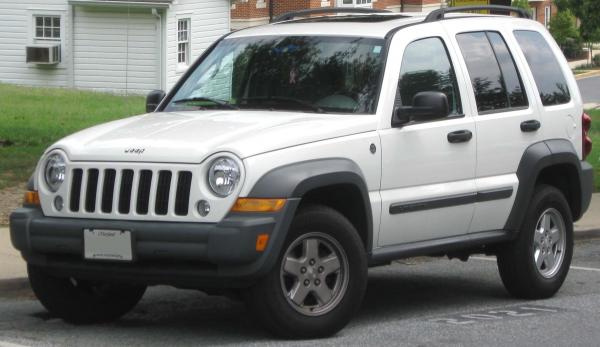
column 114, row 50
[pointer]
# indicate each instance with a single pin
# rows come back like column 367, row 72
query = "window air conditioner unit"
column 43, row 53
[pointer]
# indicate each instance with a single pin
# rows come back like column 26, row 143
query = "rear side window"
column 426, row 67
column 496, row 81
column 546, row 70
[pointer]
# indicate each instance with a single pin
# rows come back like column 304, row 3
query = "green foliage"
column 588, row 11
column 564, row 31
column 34, row 118
column 594, row 157
column 596, row 60
column 521, row 4
column 562, row 27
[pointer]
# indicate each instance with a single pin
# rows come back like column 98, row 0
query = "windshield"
column 299, row 73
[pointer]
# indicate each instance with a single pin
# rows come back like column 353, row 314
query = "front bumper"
column 181, row 254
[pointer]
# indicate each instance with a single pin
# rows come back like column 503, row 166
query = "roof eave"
column 123, row 3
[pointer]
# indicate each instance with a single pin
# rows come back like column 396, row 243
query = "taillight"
column 586, row 124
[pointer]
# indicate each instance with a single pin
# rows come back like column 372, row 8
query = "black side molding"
column 455, row 200
column 437, row 246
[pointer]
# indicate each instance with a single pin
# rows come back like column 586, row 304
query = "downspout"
column 160, row 44
column 401, row 6
column 270, row 11
column 72, row 48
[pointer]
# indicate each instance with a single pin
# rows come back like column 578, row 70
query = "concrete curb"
column 587, row 74
column 586, row 234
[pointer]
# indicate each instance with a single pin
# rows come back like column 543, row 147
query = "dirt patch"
column 17, row 288
column 10, row 198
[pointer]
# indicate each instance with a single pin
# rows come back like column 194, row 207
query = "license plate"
column 101, row 244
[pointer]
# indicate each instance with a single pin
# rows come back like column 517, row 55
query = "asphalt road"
column 590, row 89
column 422, row 301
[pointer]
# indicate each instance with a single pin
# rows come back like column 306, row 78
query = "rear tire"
column 535, row 265
column 83, row 302
column 319, row 280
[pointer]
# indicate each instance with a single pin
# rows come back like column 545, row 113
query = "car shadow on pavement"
column 394, row 293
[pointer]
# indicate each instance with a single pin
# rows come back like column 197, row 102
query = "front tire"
column 319, row 280
column 83, row 302
column 535, row 265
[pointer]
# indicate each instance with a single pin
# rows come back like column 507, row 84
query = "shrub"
column 596, row 60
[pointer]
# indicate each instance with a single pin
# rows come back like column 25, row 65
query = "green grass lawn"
column 31, row 119
column 594, row 157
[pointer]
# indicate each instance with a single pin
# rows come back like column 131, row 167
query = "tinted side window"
column 546, row 70
column 495, row 79
column 510, row 76
column 426, row 67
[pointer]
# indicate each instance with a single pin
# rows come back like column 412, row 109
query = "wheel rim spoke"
column 292, row 266
column 311, row 248
column 549, row 260
column 555, row 236
column 537, row 237
column 546, row 222
column 330, row 264
column 323, row 293
column 539, row 259
column 298, row 293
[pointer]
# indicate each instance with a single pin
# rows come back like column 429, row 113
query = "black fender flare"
column 295, row 180
column 537, row 157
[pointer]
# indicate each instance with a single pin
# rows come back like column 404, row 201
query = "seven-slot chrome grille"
column 124, row 191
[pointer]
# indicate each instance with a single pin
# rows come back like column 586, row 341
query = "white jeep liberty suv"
column 292, row 157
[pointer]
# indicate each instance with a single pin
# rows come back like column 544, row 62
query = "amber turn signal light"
column 261, row 242
column 32, row 198
column 258, row 205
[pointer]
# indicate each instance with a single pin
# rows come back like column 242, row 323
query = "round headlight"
column 54, row 171
column 223, row 176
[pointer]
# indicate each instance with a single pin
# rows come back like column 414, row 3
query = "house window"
column 356, row 3
column 547, row 14
column 47, row 27
column 183, row 41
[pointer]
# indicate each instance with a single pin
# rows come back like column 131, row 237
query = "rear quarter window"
column 494, row 76
column 546, row 70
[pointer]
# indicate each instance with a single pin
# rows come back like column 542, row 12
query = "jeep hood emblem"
column 134, row 150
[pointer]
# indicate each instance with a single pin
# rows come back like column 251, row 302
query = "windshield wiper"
column 307, row 104
column 217, row 102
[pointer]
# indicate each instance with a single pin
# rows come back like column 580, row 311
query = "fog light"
column 59, row 203
column 203, row 207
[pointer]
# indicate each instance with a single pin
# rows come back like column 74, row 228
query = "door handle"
column 460, row 136
column 530, row 126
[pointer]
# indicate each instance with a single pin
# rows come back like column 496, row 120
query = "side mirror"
column 153, row 100
column 425, row 106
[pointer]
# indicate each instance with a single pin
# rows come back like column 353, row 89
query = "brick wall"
column 249, row 9
column 254, row 12
column 540, row 6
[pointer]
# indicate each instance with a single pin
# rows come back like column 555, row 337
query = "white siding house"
column 131, row 46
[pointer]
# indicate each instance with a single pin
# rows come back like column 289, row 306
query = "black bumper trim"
column 183, row 254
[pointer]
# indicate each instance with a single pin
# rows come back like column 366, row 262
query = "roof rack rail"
column 302, row 13
column 438, row 15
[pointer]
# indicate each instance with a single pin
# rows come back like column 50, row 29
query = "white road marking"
column 10, row 344
column 582, row 268
column 585, row 268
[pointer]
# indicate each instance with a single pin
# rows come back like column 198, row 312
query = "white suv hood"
column 190, row 137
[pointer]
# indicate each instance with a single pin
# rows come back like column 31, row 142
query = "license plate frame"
column 108, row 245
